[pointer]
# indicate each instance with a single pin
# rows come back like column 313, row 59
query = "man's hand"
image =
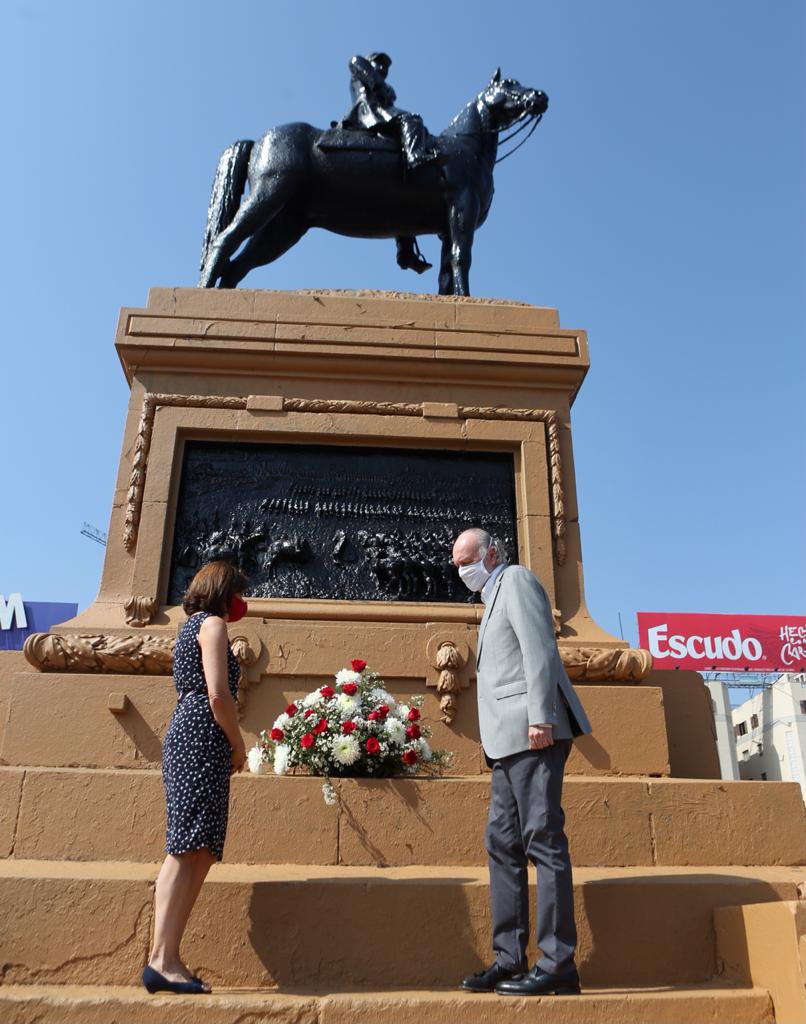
column 540, row 736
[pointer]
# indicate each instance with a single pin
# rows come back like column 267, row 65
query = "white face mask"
column 475, row 575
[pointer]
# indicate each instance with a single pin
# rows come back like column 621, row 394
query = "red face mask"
column 237, row 609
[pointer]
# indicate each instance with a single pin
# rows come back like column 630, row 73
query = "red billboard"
column 736, row 643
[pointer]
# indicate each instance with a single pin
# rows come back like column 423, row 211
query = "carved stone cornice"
column 606, row 665
column 140, row 610
column 154, row 401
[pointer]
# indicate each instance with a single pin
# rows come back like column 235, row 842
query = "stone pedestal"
column 431, row 374
column 387, row 888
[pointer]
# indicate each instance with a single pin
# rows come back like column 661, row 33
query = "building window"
column 803, row 707
column 754, row 720
column 740, row 729
column 745, row 755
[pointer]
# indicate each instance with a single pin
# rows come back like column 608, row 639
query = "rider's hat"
column 380, row 58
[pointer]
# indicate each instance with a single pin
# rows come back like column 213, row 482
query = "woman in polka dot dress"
column 203, row 748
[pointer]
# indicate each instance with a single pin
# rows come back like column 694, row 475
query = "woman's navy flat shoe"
column 156, row 982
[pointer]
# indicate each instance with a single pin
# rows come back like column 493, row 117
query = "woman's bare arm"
column 214, row 642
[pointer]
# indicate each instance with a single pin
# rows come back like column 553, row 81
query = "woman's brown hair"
column 213, row 588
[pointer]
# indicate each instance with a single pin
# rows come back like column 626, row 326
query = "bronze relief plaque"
column 335, row 521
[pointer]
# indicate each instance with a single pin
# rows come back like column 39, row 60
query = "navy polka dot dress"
column 196, row 754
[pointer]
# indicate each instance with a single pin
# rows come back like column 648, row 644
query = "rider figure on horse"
column 374, row 110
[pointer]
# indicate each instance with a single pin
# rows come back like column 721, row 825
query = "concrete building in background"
column 770, row 732
column 723, row 721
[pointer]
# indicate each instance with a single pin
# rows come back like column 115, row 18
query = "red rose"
column 373, row 716
column 308, row 713
column 277, row 734
column 350, row 689
column 383, row 710
column 357, row 665
column 413, row 732
column 291, row 709
column 327, row 692
column 307, row 740
column 348, row 727
column 410, row 757
column 372, row 745
column 414, row 715
column 320, row 726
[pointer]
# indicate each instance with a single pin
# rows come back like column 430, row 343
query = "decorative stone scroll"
column 448, row 661
column 611, row 665
column 151, row 402
column 140, row 610
column 246, row 656
column 448, row 671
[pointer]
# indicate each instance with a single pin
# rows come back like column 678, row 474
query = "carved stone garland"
column 144, row 654
column 151, row 402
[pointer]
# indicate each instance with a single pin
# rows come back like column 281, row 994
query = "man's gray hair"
column 486, row 541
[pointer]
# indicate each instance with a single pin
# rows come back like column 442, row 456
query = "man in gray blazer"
column 529, row 714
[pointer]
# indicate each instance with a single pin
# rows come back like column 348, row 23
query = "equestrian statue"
column 377, row 173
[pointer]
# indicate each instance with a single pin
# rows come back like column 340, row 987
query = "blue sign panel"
column 18, row 619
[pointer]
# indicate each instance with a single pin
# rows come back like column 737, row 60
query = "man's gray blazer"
column 521, row 679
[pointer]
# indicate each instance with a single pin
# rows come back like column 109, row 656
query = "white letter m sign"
column 11, row 609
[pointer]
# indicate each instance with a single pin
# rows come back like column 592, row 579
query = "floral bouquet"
column 354, row 728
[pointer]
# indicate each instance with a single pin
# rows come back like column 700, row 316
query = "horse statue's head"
column 507, row 101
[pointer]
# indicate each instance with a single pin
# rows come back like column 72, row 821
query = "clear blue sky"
column 660, row 206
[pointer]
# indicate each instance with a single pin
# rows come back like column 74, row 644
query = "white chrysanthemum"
column 345, row 750
column 401, row 711
column 380, row 696
column 282, row 721
column 254, row 758
column 425, row 750
column 346, row 675
column 311, row 698
column 347, row 704
column 395, row 730
column 281, row 755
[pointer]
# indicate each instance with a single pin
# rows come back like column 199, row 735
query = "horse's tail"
column 228, row 186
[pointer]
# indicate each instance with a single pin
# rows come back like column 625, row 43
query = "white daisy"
column 345, row 750
column 282, row 753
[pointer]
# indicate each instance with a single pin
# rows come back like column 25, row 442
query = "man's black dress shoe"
column 486, row 980
column 540, row 983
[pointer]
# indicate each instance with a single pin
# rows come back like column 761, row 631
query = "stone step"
column 71, row 1004
column 85, row 814
column 426, row 927
column 80, row 730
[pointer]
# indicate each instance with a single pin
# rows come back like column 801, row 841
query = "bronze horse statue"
column 355, row 183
